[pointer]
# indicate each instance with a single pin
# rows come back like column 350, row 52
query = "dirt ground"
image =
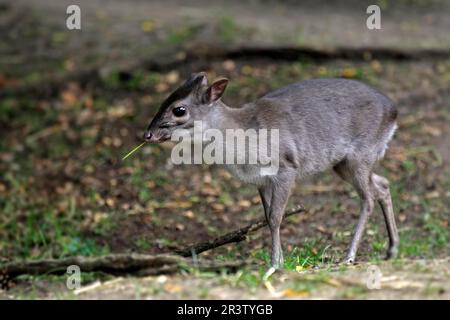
column 404, row 279
column 65, row 191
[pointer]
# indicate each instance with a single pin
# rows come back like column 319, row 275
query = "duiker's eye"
column 179, row 111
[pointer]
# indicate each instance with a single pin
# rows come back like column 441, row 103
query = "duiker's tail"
column 384, row 141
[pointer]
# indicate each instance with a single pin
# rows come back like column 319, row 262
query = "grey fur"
column 323, row 123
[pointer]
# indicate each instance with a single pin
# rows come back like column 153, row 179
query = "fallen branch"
column 234, row 236
column 137, row 264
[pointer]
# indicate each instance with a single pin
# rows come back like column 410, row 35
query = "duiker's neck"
column 225, row 117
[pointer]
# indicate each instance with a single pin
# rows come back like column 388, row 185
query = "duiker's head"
column 189, row 103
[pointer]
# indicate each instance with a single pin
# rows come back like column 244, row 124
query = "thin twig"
column 234, row 236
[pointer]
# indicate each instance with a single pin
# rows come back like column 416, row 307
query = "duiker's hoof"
column 392, row 253
column 349, row 261
column 269, row 272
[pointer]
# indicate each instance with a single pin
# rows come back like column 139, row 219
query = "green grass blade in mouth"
column 133, row 151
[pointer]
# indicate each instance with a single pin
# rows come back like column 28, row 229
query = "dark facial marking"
column 180, row 93
column 183, row 91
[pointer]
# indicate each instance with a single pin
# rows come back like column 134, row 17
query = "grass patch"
column 432, row 239
column 311, row 254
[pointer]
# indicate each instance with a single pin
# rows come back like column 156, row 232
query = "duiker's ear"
column 215, row 90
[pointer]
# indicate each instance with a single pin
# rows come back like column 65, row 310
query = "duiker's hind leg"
column 359, row 176
column 383, row 195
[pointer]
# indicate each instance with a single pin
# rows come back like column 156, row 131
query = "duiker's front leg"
column 280, row 188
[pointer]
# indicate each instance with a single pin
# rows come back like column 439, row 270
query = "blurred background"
column 73, row 102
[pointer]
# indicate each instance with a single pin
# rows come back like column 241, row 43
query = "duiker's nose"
column 148, row 135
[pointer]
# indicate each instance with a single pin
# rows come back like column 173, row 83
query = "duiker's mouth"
column 157, row 137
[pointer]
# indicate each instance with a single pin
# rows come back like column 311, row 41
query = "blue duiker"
column 323, row 123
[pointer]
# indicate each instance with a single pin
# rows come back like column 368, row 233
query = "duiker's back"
column 322, row 121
